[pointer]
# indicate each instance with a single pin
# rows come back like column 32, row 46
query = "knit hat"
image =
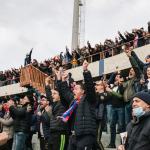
column 30, row 98
column 144, row 96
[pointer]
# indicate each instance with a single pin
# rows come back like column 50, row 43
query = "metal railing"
column 31, row 76
column 103, row 52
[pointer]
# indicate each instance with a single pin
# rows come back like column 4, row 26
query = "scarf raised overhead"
column 67, row 114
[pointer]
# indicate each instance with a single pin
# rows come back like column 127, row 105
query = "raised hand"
column 118, row 32
column 47, row 80
column 29, row 108
column 64, row 76
column 48, row 108
column 58, row 75
column 128, row 53
column 108, row 89
column 85, row 64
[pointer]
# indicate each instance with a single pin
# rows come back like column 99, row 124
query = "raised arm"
column 68, row 96
column 90, row 90
column 62, row 99
column 18, row 113
column 112, row 79
column 30, row 54
column 139, row 62
column 48, row 91
column 134, row 64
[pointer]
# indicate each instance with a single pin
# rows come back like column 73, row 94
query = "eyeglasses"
column 42, row 100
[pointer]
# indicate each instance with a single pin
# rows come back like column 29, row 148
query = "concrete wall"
column 77, row 73
column 121, row 61
column 12, row 89
column 109, row 65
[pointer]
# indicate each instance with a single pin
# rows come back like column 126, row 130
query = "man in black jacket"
column 41, row 120
column 58, row 138
column 138, row 130
column 100, row 111
column 21, row 126
column 81, row 118
column 28, row 58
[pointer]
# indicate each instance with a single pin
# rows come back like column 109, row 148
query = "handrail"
column 106, row 51
column 31, row 76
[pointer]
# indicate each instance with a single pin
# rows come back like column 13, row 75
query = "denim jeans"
column 117, row 114
column 3, row 83
column 75, row 66
column 19, row 140
column 13, row 81
column 128, row 114
column 107, row 115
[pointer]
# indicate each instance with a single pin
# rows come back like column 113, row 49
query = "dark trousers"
column 81, row 143
column 97, row 145
column 117, row 114
column 29, row 141
column 57, row 141
column 44, row 143
column 9, row 144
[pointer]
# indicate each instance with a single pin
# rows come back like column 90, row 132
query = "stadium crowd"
column 76, row 57
column 73, row 116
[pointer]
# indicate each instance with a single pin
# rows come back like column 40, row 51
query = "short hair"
column 82, row 86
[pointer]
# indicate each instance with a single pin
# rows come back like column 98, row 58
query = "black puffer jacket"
column 85, row 120
column 57, row 110
column 20, row 121
column 143, row 142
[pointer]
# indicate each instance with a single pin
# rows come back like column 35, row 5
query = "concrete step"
column 106, row 140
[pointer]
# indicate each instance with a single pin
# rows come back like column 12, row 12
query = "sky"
column 46, row 26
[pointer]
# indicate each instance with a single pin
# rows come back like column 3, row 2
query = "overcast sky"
column 46, row 25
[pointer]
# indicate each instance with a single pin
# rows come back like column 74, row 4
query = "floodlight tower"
column 78, row 28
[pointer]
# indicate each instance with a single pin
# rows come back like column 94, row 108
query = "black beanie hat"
column 144, row 96
column 30, row 98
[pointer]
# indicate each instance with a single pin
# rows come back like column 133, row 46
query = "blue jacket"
column 35, row 119
column 28, row 59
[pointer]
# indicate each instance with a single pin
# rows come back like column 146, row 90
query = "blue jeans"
column 107, row 115
column 75, row 66
column 19, row 140
column 13, row 81
column 128, row 114
column 117, row 114
column 3, row 83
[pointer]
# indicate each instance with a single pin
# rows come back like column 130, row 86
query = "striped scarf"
column 67, row 114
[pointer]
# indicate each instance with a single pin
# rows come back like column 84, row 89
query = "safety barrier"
column 31, row 76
